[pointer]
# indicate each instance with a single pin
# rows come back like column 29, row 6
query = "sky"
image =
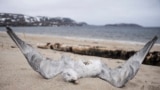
column 97, row 12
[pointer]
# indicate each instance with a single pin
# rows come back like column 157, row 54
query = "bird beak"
column 75, row 81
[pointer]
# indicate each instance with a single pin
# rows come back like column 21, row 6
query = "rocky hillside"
column 24, row 20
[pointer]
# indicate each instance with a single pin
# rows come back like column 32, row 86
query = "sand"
column 16, row 74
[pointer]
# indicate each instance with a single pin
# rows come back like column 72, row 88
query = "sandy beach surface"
column 16, row 74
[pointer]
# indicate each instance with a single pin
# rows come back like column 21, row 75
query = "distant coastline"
column 26, row 20
column 13, row 19
column 123, row 25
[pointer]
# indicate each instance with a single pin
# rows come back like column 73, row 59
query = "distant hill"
column 122, row 25
column 12, row 19
column 25, row 20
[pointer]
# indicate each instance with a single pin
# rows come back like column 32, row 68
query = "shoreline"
column 110, row 44
column 86, row 39
column 89, row 38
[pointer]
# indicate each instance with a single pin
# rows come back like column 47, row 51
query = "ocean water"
column 127, row 34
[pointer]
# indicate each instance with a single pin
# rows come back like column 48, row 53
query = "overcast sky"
column 97, row 12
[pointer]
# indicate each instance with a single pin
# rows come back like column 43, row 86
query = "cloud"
column 144, row 12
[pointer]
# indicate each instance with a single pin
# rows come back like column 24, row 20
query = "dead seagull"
column 72, row 70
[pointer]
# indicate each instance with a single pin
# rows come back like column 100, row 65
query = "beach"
column 16, row 74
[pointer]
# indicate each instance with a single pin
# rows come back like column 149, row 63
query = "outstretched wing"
column 45, row 66
column 122, row 74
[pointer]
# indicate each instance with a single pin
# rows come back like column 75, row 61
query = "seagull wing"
column 122, row 74
column 45, row 66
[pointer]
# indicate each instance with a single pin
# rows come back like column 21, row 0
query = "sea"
column 102, row 33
